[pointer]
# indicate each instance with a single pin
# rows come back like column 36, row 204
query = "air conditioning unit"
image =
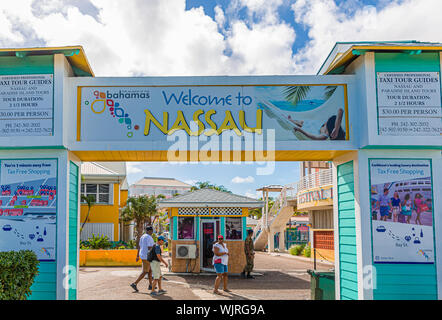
column 186, row 251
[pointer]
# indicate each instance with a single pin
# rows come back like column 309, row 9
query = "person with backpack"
column 155, row 260
column 146, row 243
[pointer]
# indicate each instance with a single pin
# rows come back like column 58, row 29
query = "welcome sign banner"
column 154, row 113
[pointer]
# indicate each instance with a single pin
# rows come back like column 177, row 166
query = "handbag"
column 218, row 260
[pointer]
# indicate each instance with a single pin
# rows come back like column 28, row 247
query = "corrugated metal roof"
column 210, row 198
column 160, row 182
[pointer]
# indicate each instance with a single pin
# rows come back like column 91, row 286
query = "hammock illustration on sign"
column 309, row 121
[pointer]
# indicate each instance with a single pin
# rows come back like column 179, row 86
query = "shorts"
column 146, row 265
column 406, row 213
column 384, row 211
column 221, row 268
column 396, row 210
column 156, row 270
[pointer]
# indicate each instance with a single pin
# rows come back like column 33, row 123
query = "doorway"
column 209, row 233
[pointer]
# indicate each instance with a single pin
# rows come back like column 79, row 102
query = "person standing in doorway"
column 384, row 205
column 155, row 259
column 145, row 245
column 250, row 255
column 220, row 261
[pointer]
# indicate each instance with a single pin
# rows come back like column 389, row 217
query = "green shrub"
column 132, row 244
column 18, row 270
column 307, row 252
column 99, row 242
column 296, row 250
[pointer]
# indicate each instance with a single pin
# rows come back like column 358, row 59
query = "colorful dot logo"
column 101, row 103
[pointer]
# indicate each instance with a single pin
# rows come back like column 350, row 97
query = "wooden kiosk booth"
column 196, row 220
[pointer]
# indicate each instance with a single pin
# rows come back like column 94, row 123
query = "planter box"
column 109, row 258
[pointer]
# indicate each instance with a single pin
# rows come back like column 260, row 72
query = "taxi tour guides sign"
column 409, row 103
column 26, row 105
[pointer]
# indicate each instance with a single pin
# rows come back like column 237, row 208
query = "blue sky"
column 213, row 37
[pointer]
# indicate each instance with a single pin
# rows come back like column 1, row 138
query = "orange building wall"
column 102, row 213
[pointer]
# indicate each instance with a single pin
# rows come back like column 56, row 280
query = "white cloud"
column 328, row 23
column 157, row 37
column 191, row 182
column 248, row 179
column 132, row 168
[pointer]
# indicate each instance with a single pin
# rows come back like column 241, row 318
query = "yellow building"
column 106, row 182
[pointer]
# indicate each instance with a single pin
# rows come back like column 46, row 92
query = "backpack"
column 151, row 255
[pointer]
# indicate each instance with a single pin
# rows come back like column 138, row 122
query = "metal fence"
column 105, row 229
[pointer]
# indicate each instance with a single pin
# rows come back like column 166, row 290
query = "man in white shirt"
column 146, row 243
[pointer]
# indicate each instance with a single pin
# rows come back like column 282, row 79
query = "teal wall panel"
column 175, row 228
column 45, row 284
column 73, row 229
column 404, row 62
column 347, row 232
column 27, row 65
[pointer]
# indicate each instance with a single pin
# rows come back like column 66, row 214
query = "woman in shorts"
column 220, row 261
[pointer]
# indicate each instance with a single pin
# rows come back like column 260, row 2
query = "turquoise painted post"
column 348, row 273
column 175, row 228
column 73, row 230
column 244, row 228
column 197, row 227
column 222, row 222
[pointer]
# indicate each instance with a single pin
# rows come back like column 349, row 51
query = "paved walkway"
column 283, row 278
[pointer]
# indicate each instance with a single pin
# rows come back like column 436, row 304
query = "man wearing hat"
column 155, row 258
column 146, row 243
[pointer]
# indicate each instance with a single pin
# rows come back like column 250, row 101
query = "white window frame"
column 111, row 193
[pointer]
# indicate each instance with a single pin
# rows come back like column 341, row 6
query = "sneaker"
column 134, row 286
column 162, row 291
column 150, row 287
column 250, row 277
column 154, row 293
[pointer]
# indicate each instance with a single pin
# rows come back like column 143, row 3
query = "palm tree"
column 90, row 201
column 141, row 209
column 295, row 94
column 208, row 185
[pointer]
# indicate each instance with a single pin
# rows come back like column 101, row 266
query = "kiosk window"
column 186, row 228
column 233, row 228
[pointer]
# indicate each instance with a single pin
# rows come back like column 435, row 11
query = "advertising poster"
column 402, row 211
column 153, row 113
column 409, row 103
column 28, row 203
column 26, row 105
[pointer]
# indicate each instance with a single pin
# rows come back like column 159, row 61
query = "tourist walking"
column 146, row 243
column 220, row 261
column 249, row 250
column 155, row 259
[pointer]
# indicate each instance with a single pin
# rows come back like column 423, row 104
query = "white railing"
column 317, row 179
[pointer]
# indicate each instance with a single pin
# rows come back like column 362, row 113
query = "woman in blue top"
column 395, row 206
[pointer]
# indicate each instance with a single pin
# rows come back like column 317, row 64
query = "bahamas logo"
column 105, row 101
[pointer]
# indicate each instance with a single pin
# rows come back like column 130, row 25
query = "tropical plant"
column 90, row 201
column 258, row 211
column 99, row 242
column 208, row 185
column 18, row 271
column 297, row 249
column 143, row 210
column 307, row 252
